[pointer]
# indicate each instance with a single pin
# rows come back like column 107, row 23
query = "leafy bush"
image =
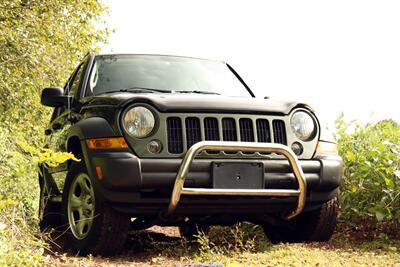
column 18, row 245
column 371, row 182
column 40, row 43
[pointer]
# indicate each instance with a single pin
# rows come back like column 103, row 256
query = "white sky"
column 339, row 56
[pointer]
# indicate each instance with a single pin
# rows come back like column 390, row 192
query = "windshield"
column 174, row 74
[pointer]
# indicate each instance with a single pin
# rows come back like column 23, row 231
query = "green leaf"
column 379, row 215
column 389, row 183
column 350, row 155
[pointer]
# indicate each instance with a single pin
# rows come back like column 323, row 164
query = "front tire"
column 93, row 226
column 315, row 226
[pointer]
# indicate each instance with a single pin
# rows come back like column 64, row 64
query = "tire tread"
column 113, row 233
column 314, row 226
column 109, row 230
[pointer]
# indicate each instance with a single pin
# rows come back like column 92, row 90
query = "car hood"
column 198, row 103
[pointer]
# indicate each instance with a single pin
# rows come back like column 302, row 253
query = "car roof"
column 160, row 55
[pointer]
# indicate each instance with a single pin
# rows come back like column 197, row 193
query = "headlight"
column 303, row 125
column 138, row 121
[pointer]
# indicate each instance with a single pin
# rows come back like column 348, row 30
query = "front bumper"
column 151, row 185
column 179, row 188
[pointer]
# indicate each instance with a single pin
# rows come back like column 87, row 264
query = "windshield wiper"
column 197, row 92
column 140, row 90
column 154, row 90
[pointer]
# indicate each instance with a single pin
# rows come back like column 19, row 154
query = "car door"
column 62, row 119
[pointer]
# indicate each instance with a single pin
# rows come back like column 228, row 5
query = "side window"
column 71, row 88
column 74, row 82
column 94, row 77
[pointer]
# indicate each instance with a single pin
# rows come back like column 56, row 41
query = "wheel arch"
column 95, row 127
column 75, row 147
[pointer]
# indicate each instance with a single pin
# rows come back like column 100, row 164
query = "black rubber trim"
column 92, row 128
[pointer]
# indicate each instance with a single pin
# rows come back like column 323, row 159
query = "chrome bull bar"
column 179, row 189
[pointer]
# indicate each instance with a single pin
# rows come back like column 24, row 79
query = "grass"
column 18, row 245
column 245, row 245
column 332, row 254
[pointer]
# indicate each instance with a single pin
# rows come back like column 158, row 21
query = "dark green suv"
column 178, row 141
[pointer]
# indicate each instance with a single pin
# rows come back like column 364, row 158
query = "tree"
column 40, row 43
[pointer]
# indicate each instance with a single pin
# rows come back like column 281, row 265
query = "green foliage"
column 40, row 44
column 18, row 245
column 225, row 241
column 371, row 182
column 45, row 156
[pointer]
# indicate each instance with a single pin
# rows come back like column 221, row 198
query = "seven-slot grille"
column 174, row 134
column 193, row 132
column 212, row 129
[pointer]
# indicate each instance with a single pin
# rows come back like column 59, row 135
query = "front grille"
column 227, row 129
column 263, row 133
column 279, row 132
column 174, row 133
column 211, row 130
column 193, row 132
column 246, row 130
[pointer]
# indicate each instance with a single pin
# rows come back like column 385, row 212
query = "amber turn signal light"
column 327, row 148
column 99, row 173
column 107, row 143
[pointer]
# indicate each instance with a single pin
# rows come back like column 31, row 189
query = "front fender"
column 95, row 127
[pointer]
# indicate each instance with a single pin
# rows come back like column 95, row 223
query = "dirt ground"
column 162, row 246
column 140, row 250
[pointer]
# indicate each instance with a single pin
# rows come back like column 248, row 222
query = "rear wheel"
column 49, row 212
column 317, row 225
column 93, row 227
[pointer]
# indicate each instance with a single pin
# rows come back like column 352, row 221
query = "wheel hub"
column 81, row 206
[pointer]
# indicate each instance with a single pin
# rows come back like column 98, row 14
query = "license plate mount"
column 238, row 175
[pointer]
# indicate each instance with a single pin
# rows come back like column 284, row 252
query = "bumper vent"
column 194, row 130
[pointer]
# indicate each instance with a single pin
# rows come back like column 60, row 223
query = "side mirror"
column 54, row 97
